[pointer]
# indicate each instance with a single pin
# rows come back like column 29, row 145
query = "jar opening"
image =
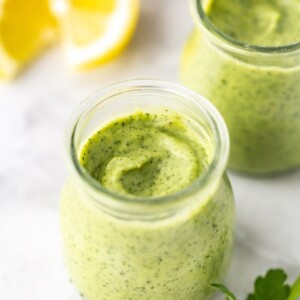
column 84, row 121
column 235, row 45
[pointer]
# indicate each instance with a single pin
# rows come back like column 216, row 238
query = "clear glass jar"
column 171, row 247
column 256, row 89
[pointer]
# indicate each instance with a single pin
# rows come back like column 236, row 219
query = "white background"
column 33, row 113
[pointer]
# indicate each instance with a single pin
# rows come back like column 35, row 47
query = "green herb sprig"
column 272, row 286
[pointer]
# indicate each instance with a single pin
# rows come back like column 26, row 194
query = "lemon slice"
column 94, row 31
column 26, row 27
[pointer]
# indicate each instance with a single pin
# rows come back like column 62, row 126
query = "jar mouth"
column 235, row 45
column 114, row 200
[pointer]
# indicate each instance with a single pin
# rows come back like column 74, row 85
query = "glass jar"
column 256, row 89
column 170, row 247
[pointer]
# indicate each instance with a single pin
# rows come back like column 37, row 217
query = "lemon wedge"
column 26, row 27
column 94, row 31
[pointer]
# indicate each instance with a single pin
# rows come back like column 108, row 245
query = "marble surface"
column 33, row 113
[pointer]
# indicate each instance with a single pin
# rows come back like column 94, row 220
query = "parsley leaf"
column 295, row 292
column 225, row 290
column 271, row 287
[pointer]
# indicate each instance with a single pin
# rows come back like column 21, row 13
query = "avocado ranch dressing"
column 257, row 94
column 147, row 155
column 263, row 22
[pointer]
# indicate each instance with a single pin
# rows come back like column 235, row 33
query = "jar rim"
column 232, row 44
column 206, row 179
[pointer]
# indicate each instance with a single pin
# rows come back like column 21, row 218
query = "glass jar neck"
column 290, row 53
column 146, row 95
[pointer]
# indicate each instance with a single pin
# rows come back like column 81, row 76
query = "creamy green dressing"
column 145, row 154
column 257, row 22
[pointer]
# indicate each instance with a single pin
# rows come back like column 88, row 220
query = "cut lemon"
column 26, row 27
column 94, row 31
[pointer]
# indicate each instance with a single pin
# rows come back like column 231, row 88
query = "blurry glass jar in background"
column 256, row 89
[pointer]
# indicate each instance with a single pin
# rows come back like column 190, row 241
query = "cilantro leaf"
column 224, row 290
column 271, row 287
column 295, row 291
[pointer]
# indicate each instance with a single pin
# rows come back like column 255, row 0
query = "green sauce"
column 263, row 22
column 174, row 257
column 258, row 98
column 143, row 154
